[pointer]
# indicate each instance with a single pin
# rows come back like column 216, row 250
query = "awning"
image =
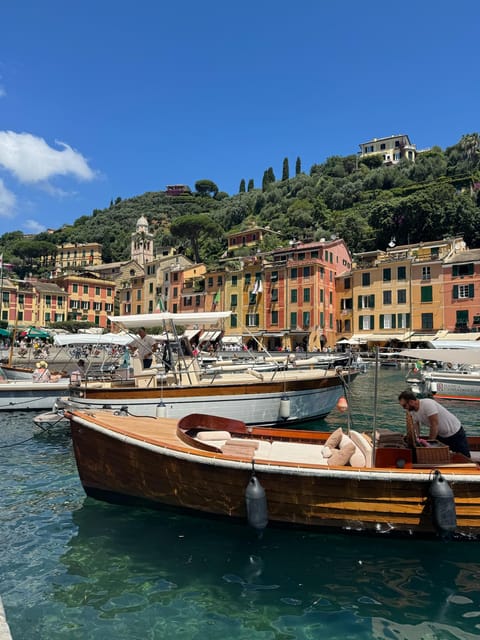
column 377, row 337
column 458, row 356
column 232, row 340
column 209, row 336
column 351, row 341
column 190, row 333
column 461, row 336
column 422, row 337
column 273, row 335
column 63, row 339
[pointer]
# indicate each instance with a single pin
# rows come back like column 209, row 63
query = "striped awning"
column 209, row 336
column 190, row 333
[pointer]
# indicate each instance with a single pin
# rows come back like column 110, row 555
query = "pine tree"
column 285, row 170
column 298, row 166
column 251, row 185
column 242, row 186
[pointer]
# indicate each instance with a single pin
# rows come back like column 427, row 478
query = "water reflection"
column 287, row 582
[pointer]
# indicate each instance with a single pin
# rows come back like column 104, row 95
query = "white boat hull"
column 449, row 386
column 262, row 408
column 17, row 395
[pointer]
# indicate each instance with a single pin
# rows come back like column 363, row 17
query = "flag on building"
column 216, row 299
column 160, row 307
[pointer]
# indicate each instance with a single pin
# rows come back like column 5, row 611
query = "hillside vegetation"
column 362, row 201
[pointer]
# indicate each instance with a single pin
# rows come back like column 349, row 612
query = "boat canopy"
column 150, row 320
column 64, row 339
column 458, row 356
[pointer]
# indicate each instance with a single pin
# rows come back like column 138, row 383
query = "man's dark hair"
column 407, row 395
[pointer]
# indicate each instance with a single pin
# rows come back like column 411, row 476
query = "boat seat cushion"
column 357, row 459
column 341, row 457
column 334, row 438
column 362, row 443
column 206, row 436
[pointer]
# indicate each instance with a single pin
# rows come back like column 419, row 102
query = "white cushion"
column 213, row 435
column 364, row 445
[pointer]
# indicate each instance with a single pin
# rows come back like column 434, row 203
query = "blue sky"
column 104, row 98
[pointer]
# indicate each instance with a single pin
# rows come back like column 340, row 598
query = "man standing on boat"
column 145, row 346
column 443, row 425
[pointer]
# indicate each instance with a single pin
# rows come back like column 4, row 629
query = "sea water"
column 73, row 568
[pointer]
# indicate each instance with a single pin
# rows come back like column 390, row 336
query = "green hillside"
column 362, row 201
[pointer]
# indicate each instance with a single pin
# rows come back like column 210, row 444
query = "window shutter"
column 359, row 302
column 455, row 291
column 371, row 301
column 381, row 321
column 372, row 322
column 471, row 289
column 360, row 322
column 393, row 321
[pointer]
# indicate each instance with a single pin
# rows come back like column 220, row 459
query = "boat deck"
column 267, row 446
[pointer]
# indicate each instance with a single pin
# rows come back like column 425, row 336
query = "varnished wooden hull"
column 122, row 465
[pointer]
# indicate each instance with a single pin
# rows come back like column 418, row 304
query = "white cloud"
column 32, row 160
column 7, row 200
column 32, row 226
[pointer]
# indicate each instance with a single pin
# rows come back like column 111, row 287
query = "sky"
column 102, row 99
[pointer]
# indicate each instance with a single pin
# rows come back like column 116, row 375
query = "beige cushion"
column 341, row 457
column 365, row 446
column 334, row 438
column 213, row 435
column 358, row 459
column 326, row 451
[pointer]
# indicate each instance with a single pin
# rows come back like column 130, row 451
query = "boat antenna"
column 375, row 399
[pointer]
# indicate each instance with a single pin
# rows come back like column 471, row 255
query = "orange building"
column 90, row 298
column 461, row 291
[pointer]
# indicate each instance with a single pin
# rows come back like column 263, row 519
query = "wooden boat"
column 181, row 387
column 266, row 398
column 208, row 465
column 457, row 376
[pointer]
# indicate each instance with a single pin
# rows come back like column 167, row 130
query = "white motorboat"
column 455, row 377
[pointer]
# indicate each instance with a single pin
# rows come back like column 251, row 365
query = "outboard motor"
column 256, row 503
column 443, row 505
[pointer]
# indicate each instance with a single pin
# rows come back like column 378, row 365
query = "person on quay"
column 443, row 425
column 145, row 346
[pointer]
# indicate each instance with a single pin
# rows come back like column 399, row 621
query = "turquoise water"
column 74, row 568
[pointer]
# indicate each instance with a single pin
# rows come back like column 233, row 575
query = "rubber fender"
column 256, row 503
column 443, row 504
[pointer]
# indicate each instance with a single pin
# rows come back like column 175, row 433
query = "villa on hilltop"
column 393, row 149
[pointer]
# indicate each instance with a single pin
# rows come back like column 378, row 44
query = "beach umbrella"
column 4, row 332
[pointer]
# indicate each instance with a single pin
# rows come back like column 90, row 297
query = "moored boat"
column 456, row 377
column 178, row 386
column 342, row 481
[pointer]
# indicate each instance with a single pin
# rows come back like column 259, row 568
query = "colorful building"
column 90, row 298
column 461, row 291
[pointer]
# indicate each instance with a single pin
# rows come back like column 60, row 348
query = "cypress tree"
column 285, row 170
column 251, row 186
column 242, row 186
column 298, row 166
